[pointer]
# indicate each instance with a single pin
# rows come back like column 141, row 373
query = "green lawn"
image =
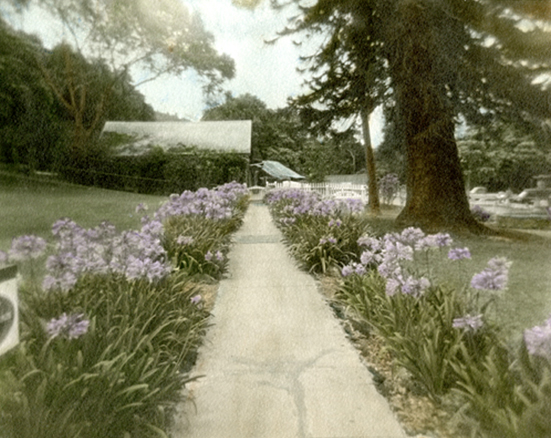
column 30, row 207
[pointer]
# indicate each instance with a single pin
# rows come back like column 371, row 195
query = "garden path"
column 276, row 362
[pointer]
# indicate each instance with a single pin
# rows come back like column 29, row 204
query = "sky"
column 266, row 71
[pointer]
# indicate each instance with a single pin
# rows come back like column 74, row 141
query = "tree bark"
column 372, row 187
column 436, row 195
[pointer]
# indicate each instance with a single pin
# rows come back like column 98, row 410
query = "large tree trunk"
column 436, row 195
column 372, row 188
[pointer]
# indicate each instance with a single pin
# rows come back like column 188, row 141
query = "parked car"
column 478, row 191
column 532, row 195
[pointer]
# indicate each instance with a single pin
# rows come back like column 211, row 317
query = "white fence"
column 335, row 190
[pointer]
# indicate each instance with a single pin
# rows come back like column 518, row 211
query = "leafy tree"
column 159, row 36
column 276, row 134
column 502, row 157
column 442, row 59
column 28, row 126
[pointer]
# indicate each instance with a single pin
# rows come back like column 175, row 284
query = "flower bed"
column 445, row 340
column 110, row 333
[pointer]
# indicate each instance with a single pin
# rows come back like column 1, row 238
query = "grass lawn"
column 31, row 207
column 527, row 302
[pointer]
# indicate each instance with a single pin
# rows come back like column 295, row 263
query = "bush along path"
column 276, row 360
column 444, row 342
column 110, row 333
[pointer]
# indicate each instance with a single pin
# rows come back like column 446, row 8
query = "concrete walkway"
column 276, row 361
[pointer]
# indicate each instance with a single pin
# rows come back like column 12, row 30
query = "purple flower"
column 335, row 223
column 397, row 251
column 371, row 242
column 480, row 214
column 196, row 299
column 415, row 287
column 468, row 322
column 153, row 270
column 489, row 279
column 459, row 254
column 438, row 240
column 538, row 340
column 27, row 248
column 68, row 326
column 359, row 268
column 347, row 270
column 219, row 256
column 494, row 277
column 392, row 286
column 411, row 235
column 208, row 256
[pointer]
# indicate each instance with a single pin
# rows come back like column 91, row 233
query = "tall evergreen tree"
column 442, row 59
column 346, row 71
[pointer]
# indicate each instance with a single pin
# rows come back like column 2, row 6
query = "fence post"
column 9, row 309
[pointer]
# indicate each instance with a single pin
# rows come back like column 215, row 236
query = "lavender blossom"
column 415, row 287
column 494, row 277
column 392, row 286
column 219, row 256
column 370, row 242
column 328, row 239
column 538, row 340
column 68, row 326
column 347, row 270
column 27, row 248
column 196, row 299
column 459, row 254
column 208, row 256
column 438, row 240
column 468, row 322
column 411, row 235
column 335, row 223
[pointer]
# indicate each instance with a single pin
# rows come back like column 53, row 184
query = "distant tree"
column 158, row 36
column 501, row 157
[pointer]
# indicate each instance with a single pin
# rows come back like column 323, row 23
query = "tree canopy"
column 438, row 60
column 119, row 39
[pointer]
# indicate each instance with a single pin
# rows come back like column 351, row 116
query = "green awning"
column 277, row 170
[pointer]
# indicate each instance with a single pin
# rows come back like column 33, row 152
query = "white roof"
column 226, row 136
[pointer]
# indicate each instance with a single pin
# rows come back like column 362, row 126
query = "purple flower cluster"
column 389, row 253
column 538, row 340
column 480, row 214
column 27, row 248
column 68, row 326
column 102, row 250
column 328, row 239
column 468, row 322
column 459, row 254
column 296, row 202
column 215, row 204
column 494, row 277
